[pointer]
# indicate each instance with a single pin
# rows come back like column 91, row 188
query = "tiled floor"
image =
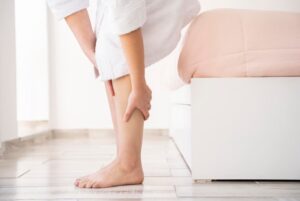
column 47, row 171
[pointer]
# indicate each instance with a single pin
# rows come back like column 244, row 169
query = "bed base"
column 239, row 128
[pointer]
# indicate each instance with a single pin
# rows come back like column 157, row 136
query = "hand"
column 139, row 99
column 92, row 58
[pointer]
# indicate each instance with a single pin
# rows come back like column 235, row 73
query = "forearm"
column 81, row 27
column 133, row 47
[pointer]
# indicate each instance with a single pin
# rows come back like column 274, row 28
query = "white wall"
column 77, row 100
column 32, row 60
column 8, row 110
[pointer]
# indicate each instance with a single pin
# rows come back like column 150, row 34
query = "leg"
column 113, row 113
column 112, row 108
column 127, row 167
column 130, row 133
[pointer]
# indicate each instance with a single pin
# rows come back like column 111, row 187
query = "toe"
column 82, row 183
column 95, row 185
column 89, row 184
column 78, row 180
column 81, row 178
column 99, row 183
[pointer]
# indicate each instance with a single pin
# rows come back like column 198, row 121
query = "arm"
column 76, row 15
column 80, row 24
column 132, row 44
column 81, row 27
column 133, row 47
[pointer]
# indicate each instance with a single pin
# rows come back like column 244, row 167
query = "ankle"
column 129, row 165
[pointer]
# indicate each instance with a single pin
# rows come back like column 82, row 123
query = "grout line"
column 19, row 176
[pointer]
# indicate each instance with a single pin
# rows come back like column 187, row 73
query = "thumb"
column 129, row 110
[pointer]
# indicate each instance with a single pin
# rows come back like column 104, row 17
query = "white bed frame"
column 239, row 128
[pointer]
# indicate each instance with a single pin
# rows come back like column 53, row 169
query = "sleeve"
column 64, row 8
column 128, row 15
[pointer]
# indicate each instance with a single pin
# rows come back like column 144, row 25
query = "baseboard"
column 2, row 148
column 26, row 141
column 95, row 133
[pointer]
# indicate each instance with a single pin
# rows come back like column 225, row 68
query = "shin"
column 130, row 134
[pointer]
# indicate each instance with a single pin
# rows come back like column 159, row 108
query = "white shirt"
column 161, row 22
column 128, row 15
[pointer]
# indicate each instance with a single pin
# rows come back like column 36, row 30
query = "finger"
column 129, row 110
column 96, row 72
column 147, row 117
column 145, row 114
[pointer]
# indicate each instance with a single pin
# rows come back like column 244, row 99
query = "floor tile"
column 179, row 181
column 180, row 172
column 237, row 189
column 138, row 191
column 47, row 172
column 60, row 173
column 12, row 172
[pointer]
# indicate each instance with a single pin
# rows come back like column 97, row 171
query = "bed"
column 237, row 116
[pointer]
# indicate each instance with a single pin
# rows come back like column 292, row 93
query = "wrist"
column 91, row 57
column 90, row 54
column 139, row 84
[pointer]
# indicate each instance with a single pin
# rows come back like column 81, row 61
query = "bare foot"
column 113, row 175
column 101, row 170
